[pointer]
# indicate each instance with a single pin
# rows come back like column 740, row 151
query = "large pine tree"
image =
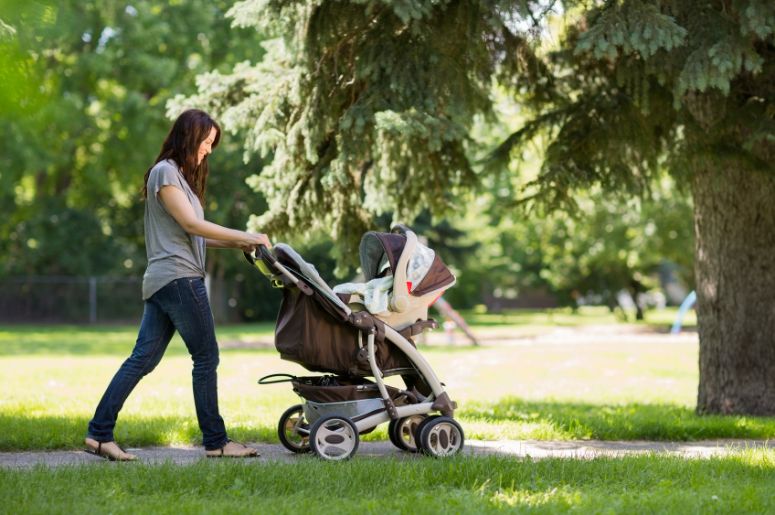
column 690, row 86
column 365, row 107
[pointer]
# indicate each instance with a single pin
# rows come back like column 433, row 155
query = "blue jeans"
column 181, row 305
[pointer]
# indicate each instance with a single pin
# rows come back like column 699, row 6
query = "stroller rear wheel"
column 402, row 432
column 440, row 436
column 334, row 438
column 293, row 430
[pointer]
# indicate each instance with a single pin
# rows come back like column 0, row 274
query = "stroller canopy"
column 425, row 270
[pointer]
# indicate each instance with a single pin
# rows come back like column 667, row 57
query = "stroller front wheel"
column 293, row 430
column 402, row 432
column 440, row 437
column 334, row 438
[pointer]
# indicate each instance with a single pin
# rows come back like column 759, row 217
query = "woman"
column 176, row 235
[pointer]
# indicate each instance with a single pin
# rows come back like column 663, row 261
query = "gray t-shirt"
column 172, row 252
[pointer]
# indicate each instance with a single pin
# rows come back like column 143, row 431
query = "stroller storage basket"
column 343, row 396
column 323, row 389
column 353, row 410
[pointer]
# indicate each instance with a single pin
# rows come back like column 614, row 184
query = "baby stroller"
column 347, row 335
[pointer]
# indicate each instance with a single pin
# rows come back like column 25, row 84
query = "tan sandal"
column 106, row 450
column 233, row 449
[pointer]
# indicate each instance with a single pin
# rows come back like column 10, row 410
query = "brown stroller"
column 351, row 337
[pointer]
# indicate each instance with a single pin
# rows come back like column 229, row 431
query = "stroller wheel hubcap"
column 408, row 428
column 402, row 432
column 334, row 438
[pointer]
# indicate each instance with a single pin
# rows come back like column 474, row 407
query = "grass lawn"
column 742, row 483
column 569, row 388
column 53, row 377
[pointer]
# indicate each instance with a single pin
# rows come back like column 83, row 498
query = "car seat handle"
column 400, row 300
column 400, row 229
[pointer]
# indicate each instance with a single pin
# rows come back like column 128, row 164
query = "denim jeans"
column 181, row 305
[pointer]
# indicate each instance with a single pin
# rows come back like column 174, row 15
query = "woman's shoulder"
column 165, row 173
column 165, row 168
column 165, row 164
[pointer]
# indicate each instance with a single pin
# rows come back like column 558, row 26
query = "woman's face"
column 206, row 146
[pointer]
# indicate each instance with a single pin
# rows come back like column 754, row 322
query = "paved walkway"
column 585, row 449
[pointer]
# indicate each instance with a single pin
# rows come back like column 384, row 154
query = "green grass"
column 113, row 340
column 613, row 389
column 25, row 340
column 546, row 420
column 740, row 483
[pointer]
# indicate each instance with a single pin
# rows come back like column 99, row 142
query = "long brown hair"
column 182, row 145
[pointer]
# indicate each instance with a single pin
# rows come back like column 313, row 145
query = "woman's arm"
column 180, row 208
column 220, row 244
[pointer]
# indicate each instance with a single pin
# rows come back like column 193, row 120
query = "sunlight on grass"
column 559, row 497
column 741, row 482
column 570, row 388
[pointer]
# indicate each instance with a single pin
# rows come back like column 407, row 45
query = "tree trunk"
column 734, row 219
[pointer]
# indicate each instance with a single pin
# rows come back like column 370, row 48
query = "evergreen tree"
column 365, row 107
column 690, row 84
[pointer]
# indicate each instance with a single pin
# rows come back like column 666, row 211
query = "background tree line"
column 85, row 106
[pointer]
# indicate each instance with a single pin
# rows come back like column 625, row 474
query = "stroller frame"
column 335, row 435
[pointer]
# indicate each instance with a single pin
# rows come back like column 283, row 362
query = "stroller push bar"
column 268, row 260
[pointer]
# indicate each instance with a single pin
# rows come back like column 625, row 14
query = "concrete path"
column 583, row 449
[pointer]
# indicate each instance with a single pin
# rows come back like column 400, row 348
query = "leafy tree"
column 610, row 245
column 606, row 243
column 84, row 117
column 604, row 246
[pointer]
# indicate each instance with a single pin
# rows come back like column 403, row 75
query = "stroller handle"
column 264, row 256
column 262, row 253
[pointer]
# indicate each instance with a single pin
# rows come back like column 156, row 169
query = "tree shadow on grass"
column 632, row 421
column 21, row 433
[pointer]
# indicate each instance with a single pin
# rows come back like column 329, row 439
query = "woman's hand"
column 252, row 241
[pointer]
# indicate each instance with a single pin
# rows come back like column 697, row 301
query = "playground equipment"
column 686, row 305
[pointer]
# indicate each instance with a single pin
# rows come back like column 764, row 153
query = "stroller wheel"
column 440, row 436
column 293, row 430
column 334, row 438
column 402, row 432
